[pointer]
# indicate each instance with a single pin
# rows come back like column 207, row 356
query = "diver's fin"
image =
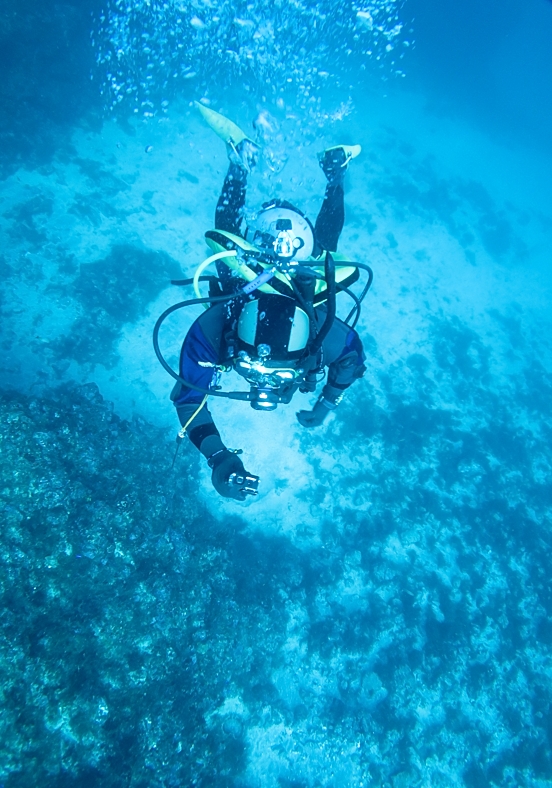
column 350, row 152
column 223, row 127
column 334, row 161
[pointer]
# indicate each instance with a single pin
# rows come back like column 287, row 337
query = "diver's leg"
column 330, row 220
column 329, row 224
column 228, row 214
column 229, row 210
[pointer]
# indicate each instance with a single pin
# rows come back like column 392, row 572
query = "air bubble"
column 268, row 48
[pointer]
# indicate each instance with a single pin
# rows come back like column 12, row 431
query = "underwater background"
column 382, row 614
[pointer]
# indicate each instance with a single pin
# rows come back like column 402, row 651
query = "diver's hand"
column 229, row 477
column 308, row 418
column 316, row 416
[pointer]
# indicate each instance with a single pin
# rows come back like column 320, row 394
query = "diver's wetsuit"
column 329, row 223
column 205, row 346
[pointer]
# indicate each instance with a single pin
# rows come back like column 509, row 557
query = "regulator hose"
column 357, row 299
column 240, row 395
column 206, row 263
column 365, row 289
column 329, row 275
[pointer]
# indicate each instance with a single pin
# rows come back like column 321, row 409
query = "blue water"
column 381, row 615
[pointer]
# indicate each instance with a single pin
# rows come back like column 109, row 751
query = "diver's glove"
column 316, row 416
column 229, row 477
column 329, row 400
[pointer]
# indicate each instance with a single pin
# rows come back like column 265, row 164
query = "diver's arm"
column 344, row 350
column 200, row 428
column 332, row 393
column 198, row 361
column 229, row 477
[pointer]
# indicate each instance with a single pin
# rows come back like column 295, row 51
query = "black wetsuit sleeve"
column 200, row 428
column 330, row 220
column 228, row 214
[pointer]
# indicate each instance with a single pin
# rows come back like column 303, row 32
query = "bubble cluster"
column 150, row 51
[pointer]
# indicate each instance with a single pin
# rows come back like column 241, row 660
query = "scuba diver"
column 271, row 311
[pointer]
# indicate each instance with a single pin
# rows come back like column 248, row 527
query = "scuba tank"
column 308, row 284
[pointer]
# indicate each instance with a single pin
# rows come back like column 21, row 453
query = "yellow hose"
column 182, row 432
column 202, row 266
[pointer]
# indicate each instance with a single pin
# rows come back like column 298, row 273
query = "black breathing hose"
column 367, row 286
column 185, row 282
column 329, row 275
column 356, row 307
column 357, row 299
column 307, row 308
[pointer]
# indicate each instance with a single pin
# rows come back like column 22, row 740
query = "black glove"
column 229, row 477
column 315, row 417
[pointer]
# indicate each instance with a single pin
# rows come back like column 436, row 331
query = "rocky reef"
column 111, row 577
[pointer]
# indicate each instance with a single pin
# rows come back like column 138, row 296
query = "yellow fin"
column 224, row 128
column 351, row 151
